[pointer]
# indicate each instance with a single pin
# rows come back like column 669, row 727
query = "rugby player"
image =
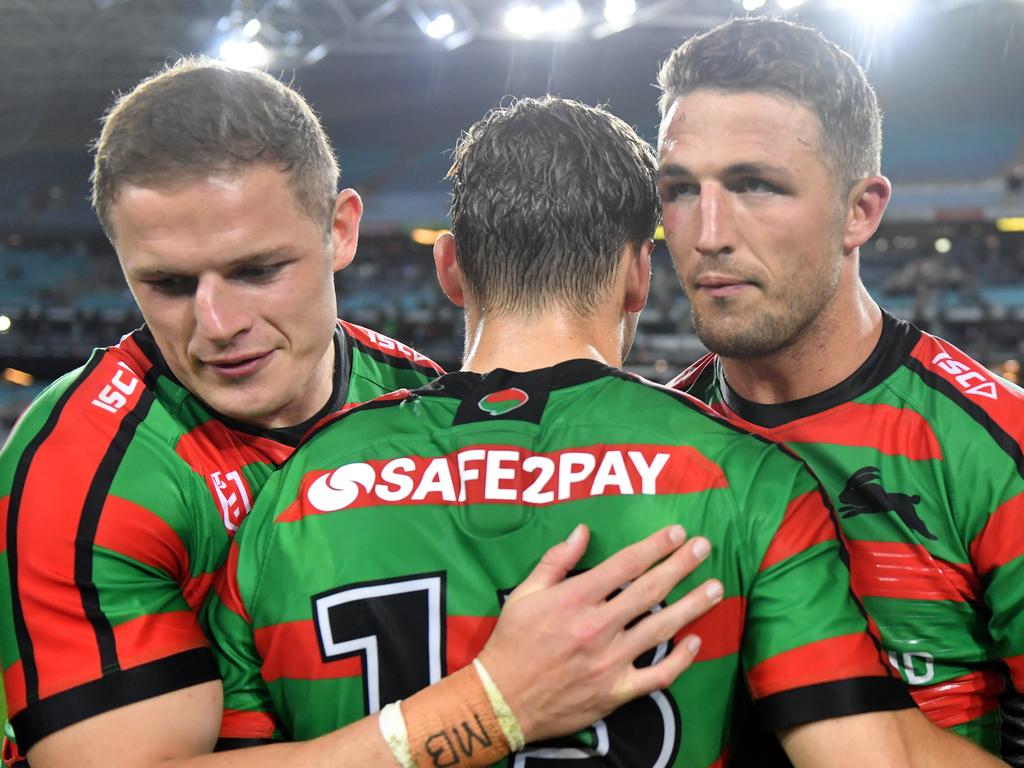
column 770, row 183
column 122, row 485
column 416, row 513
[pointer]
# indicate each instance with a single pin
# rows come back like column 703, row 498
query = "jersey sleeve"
column 98, row 573
column 807, row 649
column 249, row 716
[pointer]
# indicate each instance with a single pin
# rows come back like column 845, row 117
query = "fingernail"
column 576, row 533
column 714, row 590
column 701, row 548
column 693, row 644
column 676, row 533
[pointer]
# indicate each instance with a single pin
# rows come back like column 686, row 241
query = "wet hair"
column 546, row 194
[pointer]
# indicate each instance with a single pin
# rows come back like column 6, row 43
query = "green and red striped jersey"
column 119, row 494
column 922, row 452
column 376, row 561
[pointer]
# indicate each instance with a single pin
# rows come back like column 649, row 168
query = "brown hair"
column 198, row 116
column 781, row 58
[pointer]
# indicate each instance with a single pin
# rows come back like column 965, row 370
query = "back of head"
column 198, row 117
column 546, row 194
column 780, row 58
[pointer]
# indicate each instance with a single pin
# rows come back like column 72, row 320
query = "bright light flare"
column 252, row 28
column 878, row 12
column 243, row 54
column 440, row 26
column 943, row 245
column 619, row 12
column 5, row 323
column 14, row 376
column 753, row 5
column 788, row 5
column 563, row 18
column 524, row 20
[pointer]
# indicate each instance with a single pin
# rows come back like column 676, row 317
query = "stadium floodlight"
column 315, row 54
column 252, row 28
column 440, row 26
column 788, row 5
column 243, row 54
column 753, row 5
column 524, row 20
column 5, row 323
column 563, row 18
column 619, row 12
column 878, row 12
column 943, row 245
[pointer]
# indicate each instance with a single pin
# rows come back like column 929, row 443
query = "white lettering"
column 648, row 472
column 501, row 465
column 396, row 474
column 612, row 473
column 545, row 469
column 464, row 457
column 965, row 375
column 573, row 467
column 437, row 478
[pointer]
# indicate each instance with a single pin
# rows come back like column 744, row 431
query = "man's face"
column 752, row 218
column 236, row 283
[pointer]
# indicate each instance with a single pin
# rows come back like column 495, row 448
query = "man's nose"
column 220, row 313
column 717, row 224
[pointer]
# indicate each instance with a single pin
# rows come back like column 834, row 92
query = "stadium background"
column 395, row 87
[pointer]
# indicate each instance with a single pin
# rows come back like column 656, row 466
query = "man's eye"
column 681, row 190
column 257, row 274
column 751, row 184
column 173, row 286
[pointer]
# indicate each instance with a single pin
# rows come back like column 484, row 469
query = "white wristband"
column 502, row 711
column 392, row 728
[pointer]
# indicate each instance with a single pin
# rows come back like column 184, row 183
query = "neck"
column 528, row 342
column 835, row 345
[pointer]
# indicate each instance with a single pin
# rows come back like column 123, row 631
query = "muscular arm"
column 555, row 682
column 903, row 738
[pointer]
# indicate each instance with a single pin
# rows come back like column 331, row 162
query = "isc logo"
column 114, row 396
column 967, row 376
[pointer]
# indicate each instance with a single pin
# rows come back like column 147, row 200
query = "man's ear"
column 638, row 275
column 449, row 276
column 348, row 209
column 864, row 208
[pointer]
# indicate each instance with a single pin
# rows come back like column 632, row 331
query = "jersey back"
column 378, row 558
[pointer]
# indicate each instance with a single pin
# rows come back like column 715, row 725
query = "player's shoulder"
column 945, row 377
column 382, row 350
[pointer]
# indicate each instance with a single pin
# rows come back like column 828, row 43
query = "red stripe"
column 14, row 688
column 1000, row 541
column 156, row 636
column 835, row 658
column 961, row 700
column 1016, row 665
column 685, row 379
column 195, row 589
column 134, row 531
column 682, row 470
column 226, row 585
column 885, row 428
column 134, row 355
column 3, row 523
column 55, row 488
column 908, row 572
column 236, row 724
column 213, row 446
column 389, row 346
column 805, row 523
column 291, row 650
column 466, row 638
column 999, row 401
column 720, row 629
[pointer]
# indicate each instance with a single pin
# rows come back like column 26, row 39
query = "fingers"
column 670, row 621
column 661, row 675
column 555, row 565
column 629, row 563
column 653, row 586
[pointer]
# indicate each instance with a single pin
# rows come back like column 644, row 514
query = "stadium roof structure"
column 394, row 98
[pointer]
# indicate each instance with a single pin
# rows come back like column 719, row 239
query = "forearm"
column 932, row 747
